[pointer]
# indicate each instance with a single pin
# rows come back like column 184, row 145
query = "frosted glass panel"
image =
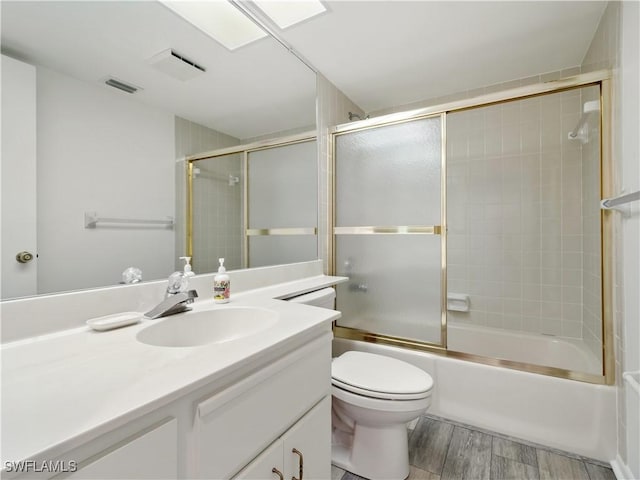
column 394, row 284
column 274, row 250
column 283, row 186
column 389, row 175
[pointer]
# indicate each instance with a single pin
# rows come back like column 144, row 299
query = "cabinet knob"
column 300, row 464
column 278, row 472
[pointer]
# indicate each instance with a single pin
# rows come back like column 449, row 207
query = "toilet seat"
column 379, row 377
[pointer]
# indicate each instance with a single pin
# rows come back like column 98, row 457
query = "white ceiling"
column 379, row 53
column 388, row 53
column 254, row 90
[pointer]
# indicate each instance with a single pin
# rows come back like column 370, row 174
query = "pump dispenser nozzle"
column 187, row 267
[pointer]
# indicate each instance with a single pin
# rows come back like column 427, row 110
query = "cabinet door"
column 153, row 455
column 311, row 436
column 262, row 467
column 235, row 425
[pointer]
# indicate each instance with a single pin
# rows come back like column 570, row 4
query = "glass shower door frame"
column 440, row 230
column 244, row 150
column 608, row 188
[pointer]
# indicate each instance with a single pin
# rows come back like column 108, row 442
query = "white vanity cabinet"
column 261, row 408
column 152, row 454
column 236, row 425
column 303, row 452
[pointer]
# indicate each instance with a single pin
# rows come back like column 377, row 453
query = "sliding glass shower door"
column 389, row 226
column 282, row 215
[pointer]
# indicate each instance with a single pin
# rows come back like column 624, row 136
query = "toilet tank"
column 324, row 298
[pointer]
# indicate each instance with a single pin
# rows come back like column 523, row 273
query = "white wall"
column 100, row 150
column 629, row 150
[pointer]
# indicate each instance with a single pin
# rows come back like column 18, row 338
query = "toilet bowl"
column 374, row 397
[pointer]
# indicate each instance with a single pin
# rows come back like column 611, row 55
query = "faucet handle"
column 175, row 283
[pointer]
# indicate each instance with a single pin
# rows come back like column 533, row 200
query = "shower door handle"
column 389, row 230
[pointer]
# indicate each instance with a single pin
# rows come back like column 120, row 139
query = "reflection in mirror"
column 262, row 211
column 91, row 147
column 217, row 219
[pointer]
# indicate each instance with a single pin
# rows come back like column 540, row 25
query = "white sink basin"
column 193, row 329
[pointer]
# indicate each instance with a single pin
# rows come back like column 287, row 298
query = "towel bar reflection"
column 91, row 220
column 612, row 203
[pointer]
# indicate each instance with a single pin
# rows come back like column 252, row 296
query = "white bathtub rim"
column 590, row 362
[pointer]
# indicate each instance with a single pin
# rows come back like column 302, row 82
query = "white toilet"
column 374, row 397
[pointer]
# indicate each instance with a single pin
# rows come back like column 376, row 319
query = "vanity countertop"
column 64, row 389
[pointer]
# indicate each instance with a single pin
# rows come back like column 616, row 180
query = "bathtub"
column 569, row 415
column 547, row 350
column 532, row 348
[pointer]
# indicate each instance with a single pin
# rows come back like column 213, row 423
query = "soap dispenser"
column 187, row 267
column 221, row 284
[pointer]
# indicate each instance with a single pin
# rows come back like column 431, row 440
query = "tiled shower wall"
column 514, row 202
column 193, row 138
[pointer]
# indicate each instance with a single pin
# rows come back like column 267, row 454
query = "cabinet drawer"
column 235, row 425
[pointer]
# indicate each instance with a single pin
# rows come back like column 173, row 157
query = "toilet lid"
column 379, row 376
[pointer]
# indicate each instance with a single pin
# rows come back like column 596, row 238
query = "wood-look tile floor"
column 440, row 449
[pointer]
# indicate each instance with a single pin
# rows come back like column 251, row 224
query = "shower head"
column 355, row 115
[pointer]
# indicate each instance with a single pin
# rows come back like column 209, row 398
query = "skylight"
column 220, row 20
column 287, row 13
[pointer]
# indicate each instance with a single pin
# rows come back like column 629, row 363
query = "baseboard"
column 621, row 470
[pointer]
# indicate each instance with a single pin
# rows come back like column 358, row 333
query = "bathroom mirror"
column 101, row 185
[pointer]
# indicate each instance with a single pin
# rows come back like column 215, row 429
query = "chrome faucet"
column 172, row 304
column 177, row 297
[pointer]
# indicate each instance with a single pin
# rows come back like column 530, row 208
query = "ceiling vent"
column 175, row 65
column 112, row 82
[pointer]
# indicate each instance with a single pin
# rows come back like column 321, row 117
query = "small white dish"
column 115, row 320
